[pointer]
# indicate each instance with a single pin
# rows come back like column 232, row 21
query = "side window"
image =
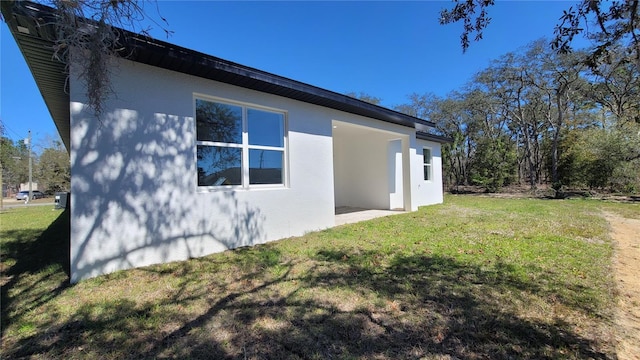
column 426, row 154
column 239, row 145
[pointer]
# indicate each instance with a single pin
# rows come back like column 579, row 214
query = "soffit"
column 34, row 41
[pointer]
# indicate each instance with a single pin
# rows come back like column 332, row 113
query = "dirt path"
column 626, row 233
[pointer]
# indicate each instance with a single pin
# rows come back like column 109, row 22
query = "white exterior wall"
column 367, row 165
column 428, row 192
column 135, row 201
column 395, row 174
column 134, row 196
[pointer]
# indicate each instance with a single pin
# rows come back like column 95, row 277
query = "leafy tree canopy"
column 605, row 23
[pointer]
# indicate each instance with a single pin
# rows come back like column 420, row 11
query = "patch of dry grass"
column 473, row 278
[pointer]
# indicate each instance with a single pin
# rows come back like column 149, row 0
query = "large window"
column 426, row 155
column 238, row 145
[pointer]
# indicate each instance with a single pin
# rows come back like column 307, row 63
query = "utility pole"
column 1, row 188
column 30, row 171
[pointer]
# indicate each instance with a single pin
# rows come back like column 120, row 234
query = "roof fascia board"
column 136, row 45
column 435, row 138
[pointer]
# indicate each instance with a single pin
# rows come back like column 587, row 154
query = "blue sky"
column 387, row 49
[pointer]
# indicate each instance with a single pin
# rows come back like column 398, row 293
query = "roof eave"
column 172, row 57
column 435, row 138
column 31, row 30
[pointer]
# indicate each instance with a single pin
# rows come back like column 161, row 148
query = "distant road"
column 13, row 203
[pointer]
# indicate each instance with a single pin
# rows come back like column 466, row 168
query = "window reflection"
column 218, row 122
column 219, row 166
column 265, row 128
column 229, row 135
column 265, row 166
column 426, row 156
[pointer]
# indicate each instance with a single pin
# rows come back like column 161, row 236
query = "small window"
column 426, row 154
column 239, row 145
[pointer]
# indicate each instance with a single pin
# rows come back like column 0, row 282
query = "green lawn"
column 475, row 278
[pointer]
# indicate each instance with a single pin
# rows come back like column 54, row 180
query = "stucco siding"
column 135, row 201
column 371, row 164
column 361, row 170
column 428, row 192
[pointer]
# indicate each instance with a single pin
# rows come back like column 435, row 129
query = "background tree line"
column 50, row 168
column 537, row 116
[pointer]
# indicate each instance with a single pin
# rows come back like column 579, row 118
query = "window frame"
column 427, row 165
column 244, row 146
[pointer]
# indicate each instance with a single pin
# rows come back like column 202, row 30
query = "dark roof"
column 32, row 26
column 431, row 137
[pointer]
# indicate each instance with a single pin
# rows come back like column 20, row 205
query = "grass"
column 475, row 278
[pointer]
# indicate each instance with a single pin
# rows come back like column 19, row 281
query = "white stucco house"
column 195, row 154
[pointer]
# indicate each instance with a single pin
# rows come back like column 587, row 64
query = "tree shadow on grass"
column 346, row 305
column 459, row 308
column 44, row 258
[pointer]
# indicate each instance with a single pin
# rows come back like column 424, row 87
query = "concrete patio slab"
column 349, row 215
